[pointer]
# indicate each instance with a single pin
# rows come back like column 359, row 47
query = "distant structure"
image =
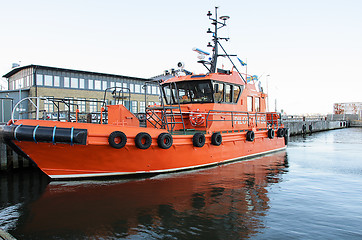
column 348, row 108
column 45, row 81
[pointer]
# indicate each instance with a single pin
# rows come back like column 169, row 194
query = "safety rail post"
column 76, row 115
column 102, row 109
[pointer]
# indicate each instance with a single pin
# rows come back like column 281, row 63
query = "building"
column 77, row 86
column 351, row 108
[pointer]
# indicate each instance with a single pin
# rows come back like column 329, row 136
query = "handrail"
column 30, row 100
column 233, row 114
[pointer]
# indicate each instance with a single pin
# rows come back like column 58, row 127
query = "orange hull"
column 98, row 158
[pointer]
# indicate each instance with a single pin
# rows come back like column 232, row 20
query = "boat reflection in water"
column 227, row 201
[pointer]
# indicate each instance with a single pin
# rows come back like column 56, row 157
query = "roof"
column 15, row 70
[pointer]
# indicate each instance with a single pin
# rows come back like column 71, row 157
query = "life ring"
column 143, row 140
column 271, row 133
column 250, row 135
column 280, row 132
column 164, row 140
column 198, row 139
column 196, row 118
column 117, row 139
column 216, row 139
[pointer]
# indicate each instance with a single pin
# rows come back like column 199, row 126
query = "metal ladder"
column 169, row 114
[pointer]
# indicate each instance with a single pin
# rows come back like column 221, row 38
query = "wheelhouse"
column 201, row 91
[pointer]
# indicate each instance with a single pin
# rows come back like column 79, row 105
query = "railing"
column 66, row 110
column 245, row 117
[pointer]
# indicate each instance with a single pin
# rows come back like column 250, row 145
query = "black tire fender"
column 198, row 139
column 117, row 139
column 143, row 140
column 250, row 136
column 216, row 139
column 280, row 132
column 165, row 140
column 271, row 133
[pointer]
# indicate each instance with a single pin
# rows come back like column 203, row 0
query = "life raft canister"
column 271, row 133
column 143, row 140
column 198, row 139
column 250, row 135
column 165, row 140
column 216, row 139
column 117, row 139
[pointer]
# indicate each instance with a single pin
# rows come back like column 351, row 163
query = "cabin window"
column 218, row 92
column 257, row 104
column 228, row 93
column 188, row 92
column 236, row 93
column 250, row 104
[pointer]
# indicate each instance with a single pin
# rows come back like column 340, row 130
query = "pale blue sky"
column 312, row 49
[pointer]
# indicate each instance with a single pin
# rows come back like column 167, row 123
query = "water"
column 311, row 191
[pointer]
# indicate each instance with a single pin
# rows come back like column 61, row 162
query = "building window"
column 97, row 85
column 93, row 105
column 48, row 105
column 74, row 83
column 39, row 80
column 104, row 85
column 154, row 90
column 112, row 85
column 249, row 104
column 131, row 87
column 69, row 103
column 142, row 107
column 81, row 104
column 134, row 106
column 81, row 83
column 56, row 81
column 151, row 103
column 137, row 88
column 118, row 84
column 66, row 82
column 48, row 80
column 90, row 84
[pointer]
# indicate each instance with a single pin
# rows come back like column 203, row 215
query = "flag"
column 241, row 62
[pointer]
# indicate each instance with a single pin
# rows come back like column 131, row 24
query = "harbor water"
column 312, row 190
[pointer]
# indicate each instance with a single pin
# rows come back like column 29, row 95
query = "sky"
column 308, row 54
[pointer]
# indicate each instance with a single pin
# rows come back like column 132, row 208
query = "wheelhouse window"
column 218, row 92
column 257, row 104
column 236, row 93
column 250, row 104
column 188, row 92
column 228, row 93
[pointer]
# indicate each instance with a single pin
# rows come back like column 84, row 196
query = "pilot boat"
column 201, row 120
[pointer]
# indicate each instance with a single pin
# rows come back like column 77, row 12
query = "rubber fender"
column 117, row 139
column 143, row 140
column 280, row 132
column 216, row 139
column 198, row 139
column 165, row 140
column 250, row 136
column 271, row 133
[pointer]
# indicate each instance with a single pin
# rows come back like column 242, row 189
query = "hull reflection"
column 228, row 201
